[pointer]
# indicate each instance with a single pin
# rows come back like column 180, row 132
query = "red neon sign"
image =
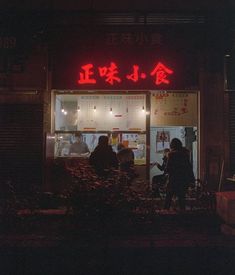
column 136, row 75
column 85, row 76
column 160, row 72
column 110, row 74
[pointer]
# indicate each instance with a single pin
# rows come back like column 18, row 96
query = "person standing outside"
column 103, row 158
column 180, row 173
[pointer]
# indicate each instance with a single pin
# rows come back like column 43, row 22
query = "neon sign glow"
column 110, row 74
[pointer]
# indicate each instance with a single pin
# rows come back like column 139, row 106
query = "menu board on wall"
column 111, row 113
column 173, row 109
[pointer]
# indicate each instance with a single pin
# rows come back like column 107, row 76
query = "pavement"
column 50, row 242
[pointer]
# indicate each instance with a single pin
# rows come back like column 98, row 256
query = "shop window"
column 109, row 112
column 120, row 116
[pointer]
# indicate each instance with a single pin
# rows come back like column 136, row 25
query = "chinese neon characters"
column 86, row 76
column 161, row 72
column 111, row 74
column 135, row 74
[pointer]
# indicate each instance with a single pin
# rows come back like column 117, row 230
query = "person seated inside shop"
column 159, row 181
column 79, row 147
column 126, row 159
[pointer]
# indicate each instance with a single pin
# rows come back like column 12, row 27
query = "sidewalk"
column 168, row 243
column 52, row 227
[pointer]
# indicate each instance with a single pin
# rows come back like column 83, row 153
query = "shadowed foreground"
column 166, row 243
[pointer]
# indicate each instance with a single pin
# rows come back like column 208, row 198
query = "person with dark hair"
column 79, row 147
column 103, row 158
column 126, row 160
column 159, row 181
column 180, row 173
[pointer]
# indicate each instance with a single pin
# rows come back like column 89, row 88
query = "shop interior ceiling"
column 69, row 97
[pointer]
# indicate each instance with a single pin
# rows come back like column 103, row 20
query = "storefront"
column 138, row 95
column 140, row 79
column 144, row 121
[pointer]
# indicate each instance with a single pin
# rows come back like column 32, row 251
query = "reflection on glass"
column 109, row 112
column 135, row 141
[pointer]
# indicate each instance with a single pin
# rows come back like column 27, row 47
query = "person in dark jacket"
column 159, row 181
column 180, row 173
column 103, row 158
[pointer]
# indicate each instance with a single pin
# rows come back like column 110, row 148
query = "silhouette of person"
column 159, row 181
column 180, row 173
column 103, row 158
column 126, row 158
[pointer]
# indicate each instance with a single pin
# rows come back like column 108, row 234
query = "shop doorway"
column 173, row 115
column 157, row 145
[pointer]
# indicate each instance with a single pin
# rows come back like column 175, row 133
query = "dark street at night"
column 117, row 137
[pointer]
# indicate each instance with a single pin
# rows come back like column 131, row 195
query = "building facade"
column 169, row 64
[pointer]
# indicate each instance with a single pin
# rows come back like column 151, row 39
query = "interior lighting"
column 94, row 108
column 78, row 109
column 143, row 109
column 111, row 110
column 62, row 107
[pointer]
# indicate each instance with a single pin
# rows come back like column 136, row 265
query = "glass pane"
column 173, row 109
column 66, row 113
column 137, row 142
column 110, row 112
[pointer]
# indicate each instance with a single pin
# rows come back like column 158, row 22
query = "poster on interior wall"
column 111, row 112
column 173, row 109
column 162, row 141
